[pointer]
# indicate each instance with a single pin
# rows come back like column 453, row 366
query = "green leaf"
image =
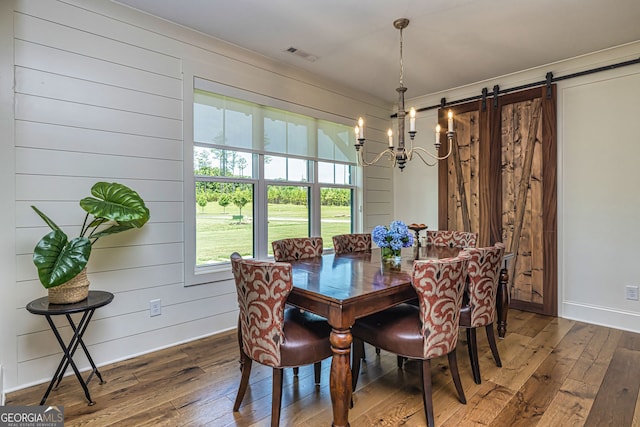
column 113, row 230
column 59, row 260
column 116, row 202
column 46, row 219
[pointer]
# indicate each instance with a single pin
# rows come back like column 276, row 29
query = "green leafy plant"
column 113, row 208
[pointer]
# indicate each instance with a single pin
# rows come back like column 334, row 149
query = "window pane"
column 335, row 213
column 335, row 142
column 275, row 131
column 214, row 162
column 224, row 221
column 223, row 121
column 283, row 169
column 334, row 173
column 298, row 170
column 326, row 173
column 343, row 174
column 287, row 213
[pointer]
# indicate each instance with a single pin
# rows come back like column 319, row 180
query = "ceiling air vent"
column 301, row 53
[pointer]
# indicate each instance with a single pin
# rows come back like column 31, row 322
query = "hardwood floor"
column 555, row 372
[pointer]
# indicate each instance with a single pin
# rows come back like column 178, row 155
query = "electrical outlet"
column 632, row 293
column 155, row 307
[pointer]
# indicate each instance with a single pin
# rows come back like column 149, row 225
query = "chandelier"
column 398, row 153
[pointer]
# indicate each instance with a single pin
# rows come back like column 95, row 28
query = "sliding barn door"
column 500, row 182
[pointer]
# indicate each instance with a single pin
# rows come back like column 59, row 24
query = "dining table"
column 346, row 287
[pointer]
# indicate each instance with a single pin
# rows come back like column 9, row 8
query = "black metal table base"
column 87, row 307
column 69, row 350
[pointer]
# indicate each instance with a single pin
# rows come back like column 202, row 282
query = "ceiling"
column 449, row 43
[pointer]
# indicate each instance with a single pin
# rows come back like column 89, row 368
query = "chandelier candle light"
column 398, row 153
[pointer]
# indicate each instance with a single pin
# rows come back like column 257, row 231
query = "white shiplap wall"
column 7, row 196
column 98, row 96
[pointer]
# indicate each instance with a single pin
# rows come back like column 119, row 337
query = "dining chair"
column 421, row 332
column 480, row 310
column 452, row 239
column 354, row 242
column 297, row 248
column 268, row 332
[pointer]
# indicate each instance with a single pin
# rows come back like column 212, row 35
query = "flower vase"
column 391, row 258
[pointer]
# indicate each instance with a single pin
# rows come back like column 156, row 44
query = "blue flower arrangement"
column 396, row 237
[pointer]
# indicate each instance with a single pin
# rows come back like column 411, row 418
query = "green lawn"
column 218, row 234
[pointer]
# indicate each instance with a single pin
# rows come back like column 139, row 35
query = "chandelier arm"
column 433, row 155
column 363, row 162
column 424, row 160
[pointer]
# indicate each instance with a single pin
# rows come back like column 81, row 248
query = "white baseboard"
column 603, row 316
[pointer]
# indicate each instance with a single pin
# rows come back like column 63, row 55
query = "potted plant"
column 61, row 262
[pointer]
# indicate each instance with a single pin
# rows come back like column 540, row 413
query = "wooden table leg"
column 340, row 380
column 502, row 300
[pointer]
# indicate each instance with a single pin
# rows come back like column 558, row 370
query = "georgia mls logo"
column 31, row 416
column 54, row 410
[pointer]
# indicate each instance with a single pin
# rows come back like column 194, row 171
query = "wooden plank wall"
column 99, row 96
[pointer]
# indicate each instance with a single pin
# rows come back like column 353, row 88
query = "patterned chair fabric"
column 452, row 239
column 262, row 288
column 296, row 248
column 440, row 288
column 345, row 243
column 484, row 274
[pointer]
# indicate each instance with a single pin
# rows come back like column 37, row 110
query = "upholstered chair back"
column 345, row 243
column 484, row 275
column 297, row 248
column 440, row 286
column 262, row 288
column 452, row 239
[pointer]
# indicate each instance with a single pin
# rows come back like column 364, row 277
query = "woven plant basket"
column 74, row 290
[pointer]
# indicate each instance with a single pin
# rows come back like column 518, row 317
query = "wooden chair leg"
column 400, row 361
column 241, row 361
column 295, row 371
column 455, row 374
column 492, row 344
column 244, row 381
column 276, row 397
column 317, row 367
column 427, row 398
column 356, row 356
column 472, row 346
column 378, row 351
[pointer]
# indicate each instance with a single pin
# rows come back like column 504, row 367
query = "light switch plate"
column 155, row 307
column 632, row 293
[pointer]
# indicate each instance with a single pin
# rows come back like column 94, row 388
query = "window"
column 224, row 196
column 261, row 174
